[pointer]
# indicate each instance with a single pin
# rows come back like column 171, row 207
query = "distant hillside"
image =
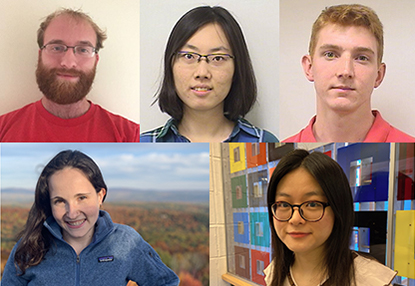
column 16, row 195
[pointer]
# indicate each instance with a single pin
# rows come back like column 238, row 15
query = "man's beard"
column 62, row 91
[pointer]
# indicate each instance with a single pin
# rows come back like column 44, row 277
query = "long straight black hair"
column 35, row 239
column 338, row 258
column 243, row 93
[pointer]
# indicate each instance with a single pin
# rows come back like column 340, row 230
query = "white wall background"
column 116, row 86
column 394, row 97
column 259, row 22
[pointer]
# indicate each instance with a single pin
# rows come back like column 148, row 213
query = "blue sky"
column 143, row 166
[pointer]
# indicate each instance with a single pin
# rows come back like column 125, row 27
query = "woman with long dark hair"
column 68, row 240
column 209, row 83
column 310, row 208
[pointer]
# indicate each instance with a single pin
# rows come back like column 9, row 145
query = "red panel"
column 260, row 261
column 256, row 156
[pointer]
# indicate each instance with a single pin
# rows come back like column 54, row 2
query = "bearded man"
column 69, row 42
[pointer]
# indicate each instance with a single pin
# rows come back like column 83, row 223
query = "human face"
column 301, row 236
column 66, row 78
column 201, row 86
column 344, row 68
column 75, row 205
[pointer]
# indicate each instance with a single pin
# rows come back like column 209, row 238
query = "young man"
column 69, row 42
column 345, row 64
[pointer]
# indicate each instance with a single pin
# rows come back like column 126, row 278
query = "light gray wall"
column 259, row 22
column 116, row 86
column 394, row 97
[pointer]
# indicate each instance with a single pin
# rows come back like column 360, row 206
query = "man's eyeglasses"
column 84, row 51
column 309, row 211
column 216, row 60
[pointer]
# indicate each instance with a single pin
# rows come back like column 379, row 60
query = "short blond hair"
column 349, row 15
column 76, row 14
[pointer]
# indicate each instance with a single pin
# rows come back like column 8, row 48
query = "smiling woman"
column 67, row 233
column 310, row 210
column 209, row 83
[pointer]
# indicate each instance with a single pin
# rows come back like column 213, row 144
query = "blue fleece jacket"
column 116, row 255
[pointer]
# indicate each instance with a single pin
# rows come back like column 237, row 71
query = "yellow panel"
column 237, row 157
column 404, row 261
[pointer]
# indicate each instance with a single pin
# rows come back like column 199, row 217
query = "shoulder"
column 244, row 131
column 382, row 131
column 167, row 133
column 268, row 273
column 31, row 107
column 304, row 135
column 369, row 272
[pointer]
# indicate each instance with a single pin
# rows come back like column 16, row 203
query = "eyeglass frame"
column 95, row 51
column 203, row 56
column 325, row 205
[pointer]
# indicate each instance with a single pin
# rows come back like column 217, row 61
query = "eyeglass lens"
column 308, row 210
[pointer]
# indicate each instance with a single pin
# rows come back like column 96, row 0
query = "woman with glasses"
column 68, row 240
column 311, row 216
column 209, row 84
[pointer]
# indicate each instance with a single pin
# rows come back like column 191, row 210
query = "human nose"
column 69, row 59
column 71, row 210
column 296, row 218
column 202, row 70
column 346, row 67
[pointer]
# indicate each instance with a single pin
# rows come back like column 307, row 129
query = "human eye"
column 56, row 48
column 362, row 58
column 218, row 58
column 283, row 205
column 313, row 205
column 83, row 50
column 329, row 55
column 187, row 56
column 57, row 201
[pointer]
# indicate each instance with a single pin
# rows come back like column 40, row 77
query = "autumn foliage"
column 178, row 232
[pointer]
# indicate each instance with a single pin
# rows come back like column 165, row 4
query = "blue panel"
column 241, row 227
column 377, row 190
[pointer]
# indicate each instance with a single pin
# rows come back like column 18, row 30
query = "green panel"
column 260, row 232
column 239, row 198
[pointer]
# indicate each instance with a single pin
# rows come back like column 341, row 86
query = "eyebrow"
column 308, row 194
column 338, row 48
column 77, row 195
column 77, row 43
column 217, row 49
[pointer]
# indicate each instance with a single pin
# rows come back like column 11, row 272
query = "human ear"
column 381, row 74
column 101, row 195
column 307, row 63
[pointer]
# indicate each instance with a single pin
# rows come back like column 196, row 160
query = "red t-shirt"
column 33, row 123
column 381, row 131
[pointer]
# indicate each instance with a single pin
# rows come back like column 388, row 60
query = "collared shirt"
column 242, row 132
column 381, row 131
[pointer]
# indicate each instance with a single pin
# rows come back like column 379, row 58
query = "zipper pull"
column 77, row 259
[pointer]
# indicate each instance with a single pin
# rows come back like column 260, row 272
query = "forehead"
column 299, row 184
column 346, row 37
column 69, row 30
column 210, row 36
column 68, row 181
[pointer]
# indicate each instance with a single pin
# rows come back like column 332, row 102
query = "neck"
column 331, row 126
column 309, row 269
column 209, row 126
column 79, row 245
column 66, row 111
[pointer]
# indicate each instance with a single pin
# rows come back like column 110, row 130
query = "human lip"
column 342, row 87
column 297, row 234
column 201, row 88
column 75, row 223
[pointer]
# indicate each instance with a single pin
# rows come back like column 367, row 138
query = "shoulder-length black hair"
column 35, row 240
column 242, row 95
column 338, row 258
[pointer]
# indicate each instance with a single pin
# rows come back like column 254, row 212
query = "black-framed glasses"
column 84, row 51
column 217, row 59
column 309, row 211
